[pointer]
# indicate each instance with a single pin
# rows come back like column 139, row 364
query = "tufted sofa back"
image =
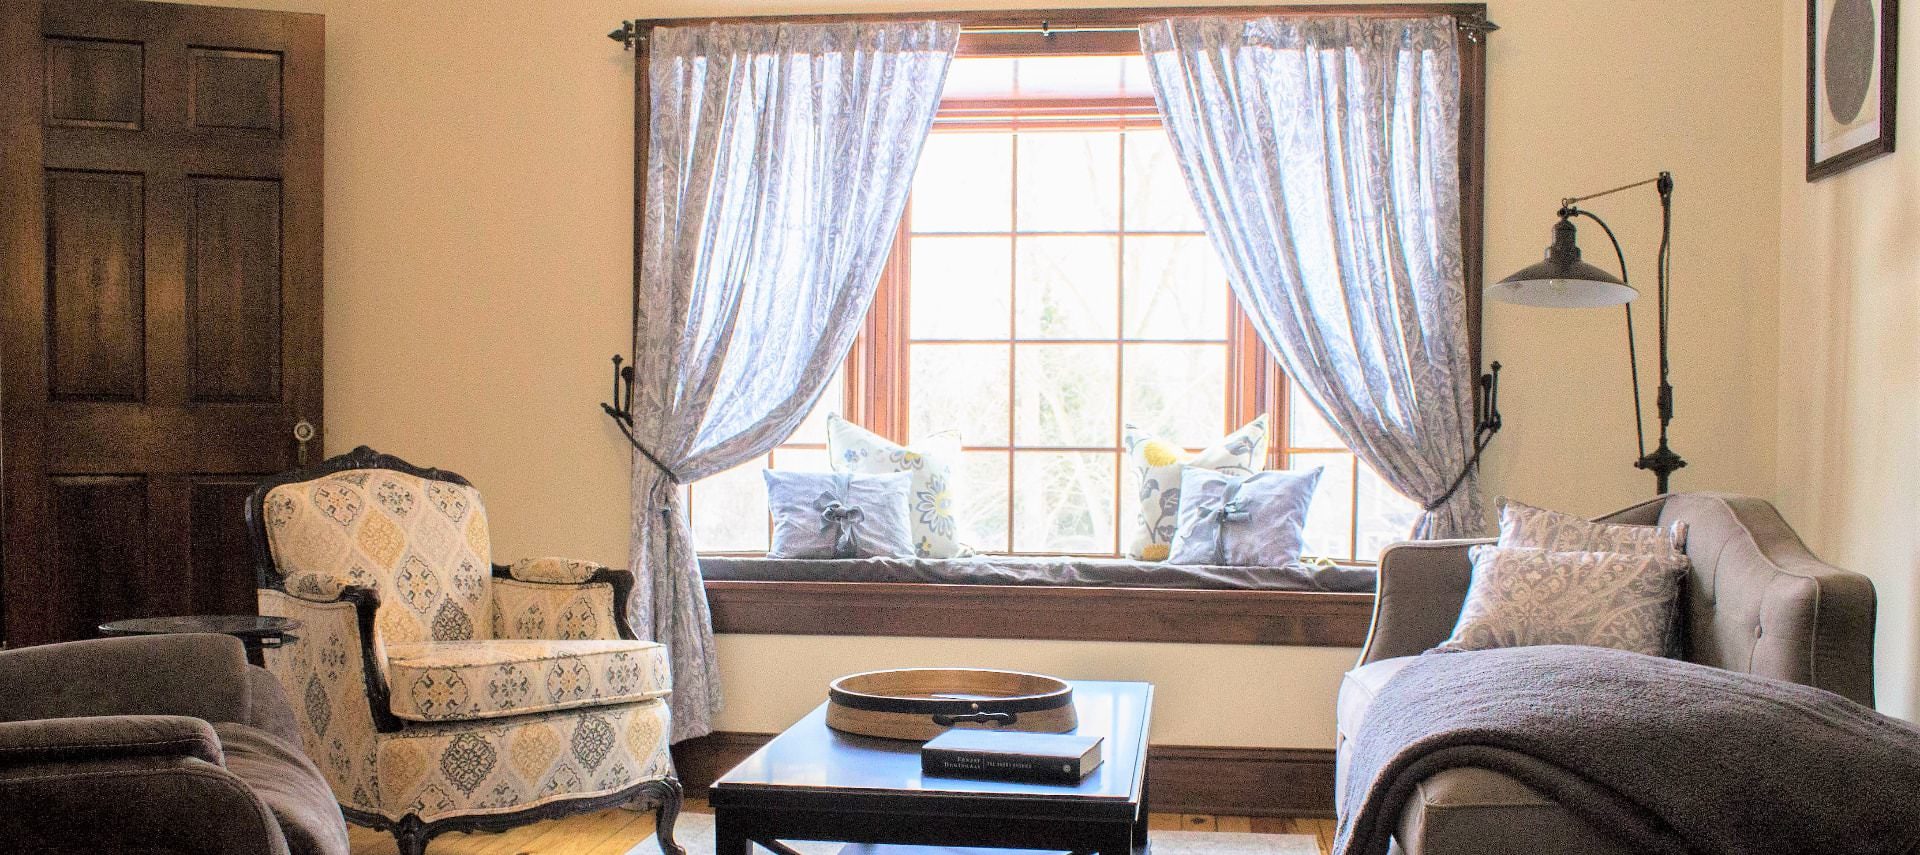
column 421, row 543
column 1758, row 602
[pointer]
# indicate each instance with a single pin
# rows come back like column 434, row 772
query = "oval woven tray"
column 922, row 703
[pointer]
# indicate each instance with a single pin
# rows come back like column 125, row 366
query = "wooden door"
column 159, row 300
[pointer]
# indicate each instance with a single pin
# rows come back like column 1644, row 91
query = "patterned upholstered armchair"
column 439, row 691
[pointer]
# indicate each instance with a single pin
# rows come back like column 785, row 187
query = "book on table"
column 1010, row 755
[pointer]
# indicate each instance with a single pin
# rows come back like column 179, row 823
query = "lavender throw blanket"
column 1668, row 756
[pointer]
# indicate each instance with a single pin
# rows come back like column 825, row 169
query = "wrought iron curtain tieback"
column 621, row 411
column 1485, row 427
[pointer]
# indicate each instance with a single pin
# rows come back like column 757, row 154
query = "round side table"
column 257, row 632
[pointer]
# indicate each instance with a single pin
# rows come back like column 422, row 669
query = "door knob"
column 303, row 433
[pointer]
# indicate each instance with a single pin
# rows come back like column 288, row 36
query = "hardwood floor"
column 617, row 832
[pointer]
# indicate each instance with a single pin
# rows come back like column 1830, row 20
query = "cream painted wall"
column 1849, row 400
column 479, row 217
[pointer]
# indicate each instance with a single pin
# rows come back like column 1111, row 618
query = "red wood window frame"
column 877, row 371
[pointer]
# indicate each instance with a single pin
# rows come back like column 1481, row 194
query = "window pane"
column 802, row 460
column 1177, row 391
column 1067, row 181
column 833, row 400
column 1157, row 196
column 962, row 287
column 1064, row 395
column 979, row 77
column 959, row 387
column 1065, row 502
column 1386, row 517
column 1306, row 429
column 1067, row 287
column 729, row 510
column 983, row 499
column 964, row 184
column 1330, row 519
column 1175, row 288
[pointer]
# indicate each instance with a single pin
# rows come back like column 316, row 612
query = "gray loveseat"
column 164, row 745
column 1756, row 601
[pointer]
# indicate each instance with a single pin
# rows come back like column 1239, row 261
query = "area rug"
column 694, row 831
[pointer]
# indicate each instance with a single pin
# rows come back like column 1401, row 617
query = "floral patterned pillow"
column 1522, row 597
column 1539, row 528
column 934, row 496
column 1158, row 463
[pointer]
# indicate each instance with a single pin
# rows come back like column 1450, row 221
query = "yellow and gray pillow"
column 1158, row 463
column 934, row 463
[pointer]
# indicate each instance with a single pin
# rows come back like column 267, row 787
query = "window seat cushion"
column 1052, row 571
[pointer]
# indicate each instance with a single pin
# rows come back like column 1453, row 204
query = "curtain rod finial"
column 624, row 35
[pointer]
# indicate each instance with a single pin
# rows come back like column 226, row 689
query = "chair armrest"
column 354, row 615
column 196, row 675
column 1422, row 585
column 66, row 740
column 127, row 784
column 534, row 596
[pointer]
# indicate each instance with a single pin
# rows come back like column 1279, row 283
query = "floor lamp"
column 1564, row 281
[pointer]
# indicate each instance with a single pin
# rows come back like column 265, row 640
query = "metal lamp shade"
column 1562, row 280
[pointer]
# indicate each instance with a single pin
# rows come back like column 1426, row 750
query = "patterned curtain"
column 777, row 170
column 1322, row 153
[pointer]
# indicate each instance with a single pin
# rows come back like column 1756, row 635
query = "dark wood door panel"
column 233, row 289
column 95, row 83
column 220, row 555
column 99, row 552
column 160, row 328
column 233, row 90
column 96, row 285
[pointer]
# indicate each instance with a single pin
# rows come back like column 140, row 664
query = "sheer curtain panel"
column 1322, row 152
column 777, row 167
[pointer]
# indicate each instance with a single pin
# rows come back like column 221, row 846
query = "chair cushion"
column 465, row 680
column 509, row 765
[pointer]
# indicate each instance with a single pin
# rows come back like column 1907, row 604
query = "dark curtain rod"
column 631, row 31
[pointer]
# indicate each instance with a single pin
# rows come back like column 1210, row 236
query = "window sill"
column 924, row 610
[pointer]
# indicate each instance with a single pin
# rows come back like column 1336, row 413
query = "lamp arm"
column 1633, row 351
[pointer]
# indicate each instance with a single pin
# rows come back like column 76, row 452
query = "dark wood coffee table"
column 815, row 783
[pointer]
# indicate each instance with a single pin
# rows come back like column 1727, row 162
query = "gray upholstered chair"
column 1756, row 601
column 439, row 691
column 155, row 744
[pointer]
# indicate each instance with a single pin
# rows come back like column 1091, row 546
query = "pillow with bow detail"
column 824, row 515
column 1258, row 520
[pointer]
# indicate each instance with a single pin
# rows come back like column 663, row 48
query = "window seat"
column 1041, row 598
column 1037, row 570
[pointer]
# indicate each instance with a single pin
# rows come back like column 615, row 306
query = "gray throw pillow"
column 1257, row 520
column 1524, row 597
column 824, row 515
column 1539, row 528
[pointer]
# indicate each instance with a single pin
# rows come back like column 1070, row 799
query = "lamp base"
column 1662, row 462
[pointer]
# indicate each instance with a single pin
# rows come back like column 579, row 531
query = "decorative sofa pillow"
column 934, row 464
column 824, row 515
column 1522, row 597
column 1539, row 528
column 1255, row 521
column 1158, row 463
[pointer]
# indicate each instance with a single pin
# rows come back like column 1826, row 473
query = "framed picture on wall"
column 1850, row 82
